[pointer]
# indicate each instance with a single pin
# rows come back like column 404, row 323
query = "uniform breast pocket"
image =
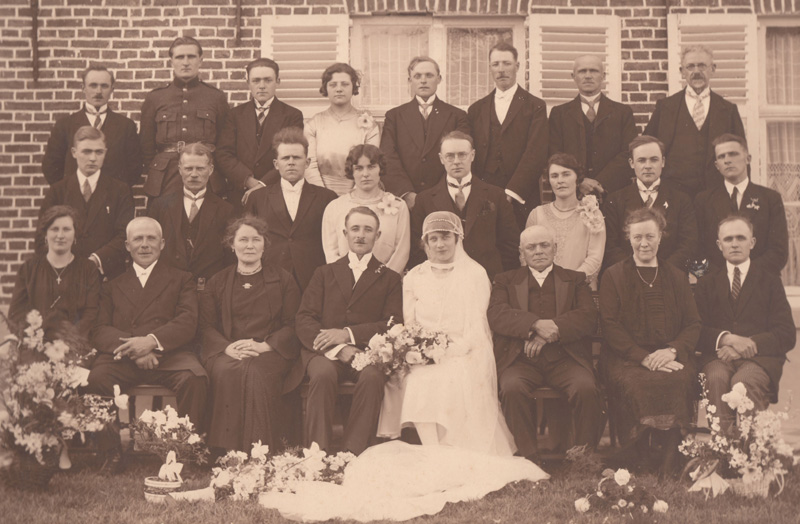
column 166, row 130
column 208, row 124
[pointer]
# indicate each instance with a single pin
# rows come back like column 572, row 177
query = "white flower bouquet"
column 403, row 346
column 42, row 406
column 240, row 477
column 753, row 452
column 617, row 493
column 591, row 216
column 161, row 432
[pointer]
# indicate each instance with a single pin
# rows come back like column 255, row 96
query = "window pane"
column 783, row 65
column 783, row 175
column 468, row 75
column 386, row 51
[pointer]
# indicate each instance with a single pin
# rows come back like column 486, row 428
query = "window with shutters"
column 382, row 47
column 779, row 115
column 303, row 46
column 557, row 40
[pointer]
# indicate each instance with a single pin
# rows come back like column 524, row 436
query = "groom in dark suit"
column 688, row 121
column 490, row 230
column 194, row 222
column 509, row 127
column 104, row 204
column 594, row 129
column 412, row 131
column 542, row 316
column 747, row 323
column 293, row 209
column 344, row 305
column 738, row 195
column 123, row 158
column 146, row 319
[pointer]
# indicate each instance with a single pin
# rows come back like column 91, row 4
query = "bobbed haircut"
column 339, row 67
column 373, row 153
column 257, row 223
column 645, row 214
column 52, row 214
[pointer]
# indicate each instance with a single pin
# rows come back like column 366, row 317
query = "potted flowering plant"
column 42, row 408
column 617, row 493
column 747, row 459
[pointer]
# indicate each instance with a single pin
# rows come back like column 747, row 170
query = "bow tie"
column 693, row 94
column 462, row 186
column 502, row 95
column 650, row 191
column 292, row 189
column 361, row 265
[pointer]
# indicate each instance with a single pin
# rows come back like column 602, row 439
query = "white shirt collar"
column 451, row 180
column 540, row 276
column 199, row 196
column 265, row 104
column 741, row 186
column 431, row 100
column 691, row 94
column 287, row 187
column 655, row 185
column 508, row 93
column 353, row 258
column 590, row 98
column 92, row 179
column 143, row 273
column 744, row 268
column 89, row 108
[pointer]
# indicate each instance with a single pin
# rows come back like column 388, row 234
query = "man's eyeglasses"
column 461, row 155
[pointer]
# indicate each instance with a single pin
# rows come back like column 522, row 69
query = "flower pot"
column 751, row 490
column 156, row 490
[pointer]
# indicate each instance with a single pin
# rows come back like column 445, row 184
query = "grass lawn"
column 84, row 496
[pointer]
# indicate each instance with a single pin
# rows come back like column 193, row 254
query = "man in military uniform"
column 187, row 110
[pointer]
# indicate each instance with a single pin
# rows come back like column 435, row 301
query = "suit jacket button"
column 348, row 311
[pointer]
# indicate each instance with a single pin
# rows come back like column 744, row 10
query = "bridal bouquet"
column 591, row 216
column 42, row 406
column 403, row 346
column 752, row 455
column 617, row 493
column 243, row 477
column 162, row 432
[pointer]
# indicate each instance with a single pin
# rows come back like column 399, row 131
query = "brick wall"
column 131, row 38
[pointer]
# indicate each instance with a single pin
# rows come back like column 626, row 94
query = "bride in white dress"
column 466, row 447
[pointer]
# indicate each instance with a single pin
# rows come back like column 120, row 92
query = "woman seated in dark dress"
column 651, row 327
column 248, row 343
column 63, row 288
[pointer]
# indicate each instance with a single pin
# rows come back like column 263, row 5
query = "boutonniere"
column 666, row 206
column 380, row 269
column 389, row 204
column 753, row 204
column 488, row 208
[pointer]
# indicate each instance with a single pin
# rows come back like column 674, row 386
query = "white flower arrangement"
column 403, row 346
column 390, row 204
column 40, row 394
column 366, row 123
column 754, row 451
column 616, row 492
column 162, row 432
column 589, row 211
column 240, row 477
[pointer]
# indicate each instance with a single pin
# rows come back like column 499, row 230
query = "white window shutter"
column 733, row 38
column 557, row 40
column 303, row 46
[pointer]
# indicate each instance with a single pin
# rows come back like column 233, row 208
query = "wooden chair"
column 343, row 401
column 145, row 390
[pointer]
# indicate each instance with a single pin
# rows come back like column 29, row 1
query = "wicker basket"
column 25, row 473
column 753, row 489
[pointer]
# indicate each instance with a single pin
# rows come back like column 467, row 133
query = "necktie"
column 262, row 114
column 87, row 190
column 425, row 109
column 649, row 193
column 460, row 199
column 97, row 120
column 590, row 113
column 698, row 112
column 735, row 202
column 736, row 286
column 194, row 210
column 358, row 269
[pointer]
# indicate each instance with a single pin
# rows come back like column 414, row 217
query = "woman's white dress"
column 399, row 481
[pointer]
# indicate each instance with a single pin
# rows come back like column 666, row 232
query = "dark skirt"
column 644, row 399
column 246, row 401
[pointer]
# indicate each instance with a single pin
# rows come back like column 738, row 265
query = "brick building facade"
column 640, row 40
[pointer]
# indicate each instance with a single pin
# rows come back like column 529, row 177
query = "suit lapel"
column 176, row 213
column 278, row 206
column 344, row 277
column 484, row 119
column 603, row 110
column 474, row 204
column 750, row 196
column 441, row 197
column 131, row 287
column 367, row 278
column 207, row 217
column 156, row 283
column 513, row 109
column 74, row 198
column 717, row 124
column 562, row 291
column 412, row 122
column 307, row 196
column 521, row 288
column 748, row 286
column 272, row 125
column 436, row 122
column 723, row 286
column 97, row 200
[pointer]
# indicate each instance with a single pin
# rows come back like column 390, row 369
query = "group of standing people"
column 272, row 251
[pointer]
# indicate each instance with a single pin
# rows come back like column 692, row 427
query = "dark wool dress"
column 74, row 299
column 246, row 403
column 637, row 320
